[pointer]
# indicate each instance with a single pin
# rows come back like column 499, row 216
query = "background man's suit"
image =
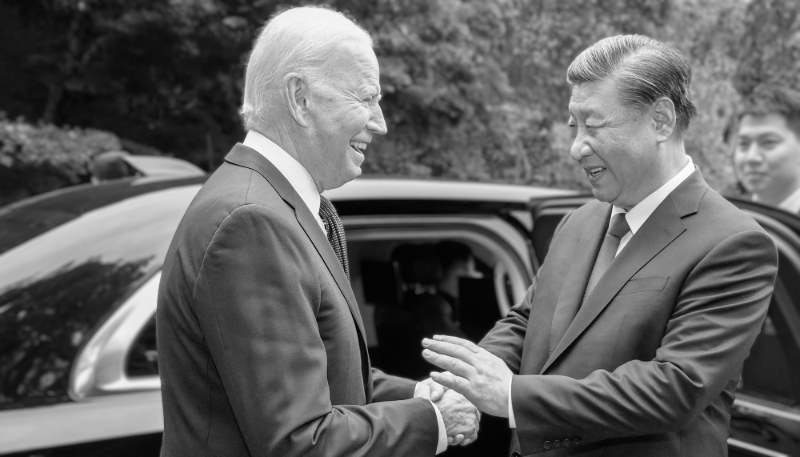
column 657, row 346
column 256, row 316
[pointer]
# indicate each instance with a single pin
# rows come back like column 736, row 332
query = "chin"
column 600, row 195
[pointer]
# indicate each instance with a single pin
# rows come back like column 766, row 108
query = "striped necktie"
column 333, row 226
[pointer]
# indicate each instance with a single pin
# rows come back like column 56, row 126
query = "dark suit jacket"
column 650, row 363
column 261, row 346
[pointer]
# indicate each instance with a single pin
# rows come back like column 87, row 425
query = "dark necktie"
column 608, row 250
column 333, row 225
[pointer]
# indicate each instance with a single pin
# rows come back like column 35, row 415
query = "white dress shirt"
column 636, row 218
column 291, row 169
column 302, row 182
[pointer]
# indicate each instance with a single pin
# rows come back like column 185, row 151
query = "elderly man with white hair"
column 261, row 346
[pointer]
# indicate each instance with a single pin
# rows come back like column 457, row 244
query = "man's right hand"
column 461, row 418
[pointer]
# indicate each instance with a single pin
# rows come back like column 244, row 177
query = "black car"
column 79, row 272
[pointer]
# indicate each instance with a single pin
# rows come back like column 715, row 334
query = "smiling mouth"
column 359, row 146
column 594, row 172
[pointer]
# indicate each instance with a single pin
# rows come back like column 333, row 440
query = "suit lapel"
column 247, row 157
column 662, row 227
column 582, row 264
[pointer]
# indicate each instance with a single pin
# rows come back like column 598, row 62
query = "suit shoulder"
column 717, row 213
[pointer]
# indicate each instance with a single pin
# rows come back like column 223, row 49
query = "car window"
column 57, row 286
column 143, row 356
column 766, row 371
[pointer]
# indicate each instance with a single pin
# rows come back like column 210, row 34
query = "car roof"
column 44, row 212
column 26, row 219
column 371, row 188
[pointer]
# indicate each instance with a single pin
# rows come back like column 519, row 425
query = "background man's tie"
column 608, row 250
column 333, row 225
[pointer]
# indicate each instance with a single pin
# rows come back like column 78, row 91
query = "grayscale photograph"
column 400, row 228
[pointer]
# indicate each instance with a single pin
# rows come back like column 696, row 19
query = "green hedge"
column 40, row 158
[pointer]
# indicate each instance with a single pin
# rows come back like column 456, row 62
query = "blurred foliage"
column 39, row 158
column 474, row 89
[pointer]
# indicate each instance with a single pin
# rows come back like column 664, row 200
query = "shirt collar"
column 792, row 202
column 638, row 215
column 291, row 169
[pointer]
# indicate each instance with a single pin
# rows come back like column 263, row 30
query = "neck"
column 286, row 140
column 775, row 196
column 672, row 160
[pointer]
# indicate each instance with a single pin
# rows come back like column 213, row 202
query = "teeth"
column 595, row 171
column 358, row 145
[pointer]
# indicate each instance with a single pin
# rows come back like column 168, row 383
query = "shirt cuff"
column 511, row 422
column 421, row 390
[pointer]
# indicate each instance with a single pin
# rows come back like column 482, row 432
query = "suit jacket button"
column 548, row 445
column 566, row 442
column 556, row 444
column 576, row 441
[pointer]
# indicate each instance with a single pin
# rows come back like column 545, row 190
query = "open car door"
column 765, row 418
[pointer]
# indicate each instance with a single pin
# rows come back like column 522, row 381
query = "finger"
column 454, row 382
column 450, row 364
column 437, row 391
column 449, row 440
column 467, row 344
column 470, row 439
column 457, row 439
column 450, row 349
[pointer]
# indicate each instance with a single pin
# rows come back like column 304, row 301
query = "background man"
column 261, row 344
column 633, row 339
column 767, row 154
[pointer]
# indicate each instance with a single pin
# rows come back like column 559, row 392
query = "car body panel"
column 108, row 407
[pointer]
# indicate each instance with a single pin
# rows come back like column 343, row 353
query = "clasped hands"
column 477, row 375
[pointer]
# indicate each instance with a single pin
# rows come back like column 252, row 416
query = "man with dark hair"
column 632, row 339
column 767, row 153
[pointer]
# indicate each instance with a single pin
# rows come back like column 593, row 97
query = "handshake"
column 476, row 381
column 461, row 418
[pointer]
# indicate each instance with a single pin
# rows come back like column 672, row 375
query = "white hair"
column 298, row 40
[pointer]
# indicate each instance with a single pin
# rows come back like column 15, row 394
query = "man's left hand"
column 481, row 377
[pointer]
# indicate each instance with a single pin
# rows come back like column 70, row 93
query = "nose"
column 751, row 153
column 376, row 123
column 579, row 149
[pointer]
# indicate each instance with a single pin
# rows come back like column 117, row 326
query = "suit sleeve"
column 506, row 338
column 257, row 304
column 386, row 387
column 715, row 321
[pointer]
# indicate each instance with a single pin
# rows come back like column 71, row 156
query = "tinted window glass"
column 143, row 356
column 768, row 372
column 55, row 287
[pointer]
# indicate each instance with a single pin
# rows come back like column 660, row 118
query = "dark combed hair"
column 643, row 71
column 767, row 99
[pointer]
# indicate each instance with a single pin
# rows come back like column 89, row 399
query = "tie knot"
column 618, row 226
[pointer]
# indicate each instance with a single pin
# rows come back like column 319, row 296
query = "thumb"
column 437, row 391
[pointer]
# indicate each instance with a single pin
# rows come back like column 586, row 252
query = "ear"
column 664, row 118
column 297, row 96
